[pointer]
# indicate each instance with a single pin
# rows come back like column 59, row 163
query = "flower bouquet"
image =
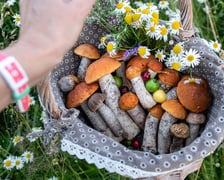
column 150, row 104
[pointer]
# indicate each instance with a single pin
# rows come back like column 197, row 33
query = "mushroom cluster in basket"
column 138, row 102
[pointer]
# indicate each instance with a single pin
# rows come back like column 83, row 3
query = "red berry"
column 123, row 89
column 146, row 75
column 135, row 143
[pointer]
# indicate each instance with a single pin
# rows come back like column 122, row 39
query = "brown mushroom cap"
column 80, row 93
column 132, row 72
column 117, row 56
column 193, row 96
column 154, row 64
column 138, row 62
column 100, row 68
column 169, row 77
column 157, row 111
column 180, row 130
column 87, row 50
column 128, row 101
column 174, row 108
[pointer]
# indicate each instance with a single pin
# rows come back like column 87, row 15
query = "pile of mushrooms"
column 163, row 126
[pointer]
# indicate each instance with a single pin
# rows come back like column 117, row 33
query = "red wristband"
column 16, row 78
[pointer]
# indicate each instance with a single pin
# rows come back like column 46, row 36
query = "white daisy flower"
column 19, row 162
column 36, row 129
column 163, row 4
column 144, row 52
column 215, row 45
column 151, row 30
column 10, row 2
column 174, row 25
column 17, row 139
column 175, row 63
column 44, row 117
column 32, row 100
column 17, row 19
column 193, row 80
column 160, row 55
column 9, row 162
column 145, row 12
column 121, row 6
column 27, row 156
column 191, row 58
column 111, row 48
column 177, row 49
column 162, row 33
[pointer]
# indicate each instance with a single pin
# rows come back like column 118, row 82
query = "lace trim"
column 110, row 165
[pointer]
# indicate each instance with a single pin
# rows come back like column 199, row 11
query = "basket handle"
column 186, row 14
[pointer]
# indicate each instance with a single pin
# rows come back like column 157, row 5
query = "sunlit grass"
column 46, row 164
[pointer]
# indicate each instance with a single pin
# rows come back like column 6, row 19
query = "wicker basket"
column 78, row 138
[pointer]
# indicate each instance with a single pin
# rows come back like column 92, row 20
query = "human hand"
column 52, row 24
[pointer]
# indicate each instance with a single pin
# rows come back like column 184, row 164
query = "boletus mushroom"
column 194, row 93
column 88, row 52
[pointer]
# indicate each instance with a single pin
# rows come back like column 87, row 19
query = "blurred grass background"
column 208, row 18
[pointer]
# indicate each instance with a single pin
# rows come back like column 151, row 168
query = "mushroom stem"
column 84, row 63
column 150, row 133
column 138, row 115
column 110, row 119
column 164, row 134
column 144, row 96
column 176, row 144
column 171, row 94
column 95, row 119
column 194, row 131
column 121, row 72
column 109, row 88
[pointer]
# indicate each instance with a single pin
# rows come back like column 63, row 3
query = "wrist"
column 37, row 61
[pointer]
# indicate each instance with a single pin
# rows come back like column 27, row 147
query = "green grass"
column 60, row 164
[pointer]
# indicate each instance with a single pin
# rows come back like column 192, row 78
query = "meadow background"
column 40, row 162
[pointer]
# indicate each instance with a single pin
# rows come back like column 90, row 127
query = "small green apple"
column 152, row 85
column 118, row 81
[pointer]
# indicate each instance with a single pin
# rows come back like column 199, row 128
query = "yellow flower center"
column 176, row 25
column 163, row 31
column 155, row 15
column 17, row 19
column 150, row 4
column 17, row 162
column 28, row 156
column 192, row 80
column 215, row 45
column 16, row 139
column 8, row 163
column 127, row 9
column 110, row 47
column 141, row 51
column 163, row 2
column 159, row 56
column 190, row 58
column 152, row 29
column 176, row 66
column 145, row 11
column 120, row 5
column 177, row 49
